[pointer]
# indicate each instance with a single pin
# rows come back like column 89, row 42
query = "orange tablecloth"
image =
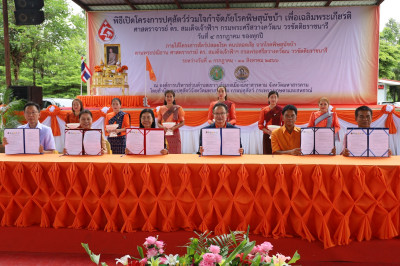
column 335, row 201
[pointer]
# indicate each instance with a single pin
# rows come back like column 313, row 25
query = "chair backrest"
column 108, row 145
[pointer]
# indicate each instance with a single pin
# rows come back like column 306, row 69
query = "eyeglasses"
column 219, row 114
column 31, row 113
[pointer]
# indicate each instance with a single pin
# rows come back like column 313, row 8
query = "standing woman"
column 77, row 107
column 324, row 117
column 170, row 112
column 117, row 143
column 223, row 98
column 270, row 115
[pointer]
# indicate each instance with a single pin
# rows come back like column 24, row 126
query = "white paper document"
column 154, row 141
column 307, row 141
column 22, row 140
column 73, row 142
column 92, row 142
column 317, row 140
column 211, row 141
column 357, row 141
column 15, row 141
column 135, row 140
column 378, row 142
column 32, row 140
column 220, row 141
column 324, row 140
column 230, row 141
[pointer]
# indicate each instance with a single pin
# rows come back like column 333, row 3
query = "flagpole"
column 81, row 73
column 145, row 86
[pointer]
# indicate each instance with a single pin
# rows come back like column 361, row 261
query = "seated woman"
column 147, row 120
column 85, row 122
column 324, row 117
column 77, row 107
column 223, row 98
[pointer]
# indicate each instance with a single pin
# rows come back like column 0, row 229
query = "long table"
column 331, row 199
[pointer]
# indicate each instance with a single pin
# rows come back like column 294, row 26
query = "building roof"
column 126, row 5
column 389, row 82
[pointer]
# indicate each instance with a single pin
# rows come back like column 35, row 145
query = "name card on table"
column 317, row 140
column 145, row 141
column 368, row 142
column 22, row 140
column 220, row 141
column 83, row 142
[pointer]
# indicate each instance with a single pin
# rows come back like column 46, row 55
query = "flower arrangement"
column 122, row 69
column 98, row 69
column 205, row 251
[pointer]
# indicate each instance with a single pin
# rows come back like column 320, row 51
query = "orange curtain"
column 244, row 118
column 334, row 203
column 101, row 101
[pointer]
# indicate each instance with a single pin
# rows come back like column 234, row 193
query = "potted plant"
column 9, row 117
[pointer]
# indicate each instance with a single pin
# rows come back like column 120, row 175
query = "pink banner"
column 303, row 53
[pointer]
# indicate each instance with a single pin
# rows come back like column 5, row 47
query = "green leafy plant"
column 9, row 117
column 230, row 249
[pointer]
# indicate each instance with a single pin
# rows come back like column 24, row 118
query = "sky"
column 389, row 9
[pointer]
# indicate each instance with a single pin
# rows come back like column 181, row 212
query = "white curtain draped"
column 251, row 135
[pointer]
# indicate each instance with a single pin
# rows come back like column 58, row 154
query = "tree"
column 388, row 59
column 391, row 32
column 48, row 55
column 389, row 51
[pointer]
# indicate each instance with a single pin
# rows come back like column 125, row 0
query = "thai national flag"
column 85, row 71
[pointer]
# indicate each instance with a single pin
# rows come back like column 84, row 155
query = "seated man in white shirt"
column 32, row 114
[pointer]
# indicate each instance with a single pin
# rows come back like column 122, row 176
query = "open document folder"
column 83, row 141
column 145, row 141
column 220, row 141
column 317, row 140
column 368, row 142
column 22, row 140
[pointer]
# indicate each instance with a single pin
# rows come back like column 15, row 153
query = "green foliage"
column 95, row 258
column 389, row 51
column 140, row 250
column 8, row 112
column 227, row 242
column 47, row 55
column 295, row 258
column 388, row 59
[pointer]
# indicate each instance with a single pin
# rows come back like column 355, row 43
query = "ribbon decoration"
column 389, row 110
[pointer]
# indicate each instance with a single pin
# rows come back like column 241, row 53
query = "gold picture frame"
column 112, row 54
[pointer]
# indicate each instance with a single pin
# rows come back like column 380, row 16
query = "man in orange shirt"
column 287, row 139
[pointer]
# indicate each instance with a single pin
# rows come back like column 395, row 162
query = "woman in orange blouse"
column 270, row 115
column 223, row 98
column 77, row 107
column 85, row 122
column 324, row 117
column 171, row 112
column 117, row 143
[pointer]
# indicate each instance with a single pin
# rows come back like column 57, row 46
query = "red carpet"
column 41, row 246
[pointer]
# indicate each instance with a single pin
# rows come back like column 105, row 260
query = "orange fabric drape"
column 244, row 118
column 389, row 120
column 335, row 201
column 101, row 101
column 55, row 127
